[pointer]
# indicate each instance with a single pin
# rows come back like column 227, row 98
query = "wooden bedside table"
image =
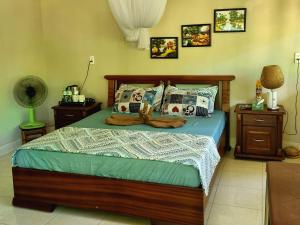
column 30, row 134
column 259, row 133
column 65, row 115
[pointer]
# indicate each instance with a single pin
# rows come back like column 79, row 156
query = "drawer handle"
column 259, row 120
column 259, row 140
column 69, row 115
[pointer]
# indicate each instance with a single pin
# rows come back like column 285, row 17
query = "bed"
column 161, row 203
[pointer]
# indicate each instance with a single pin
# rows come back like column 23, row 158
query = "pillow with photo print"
column 185, row 103
column 130, row 99
column 208, row 92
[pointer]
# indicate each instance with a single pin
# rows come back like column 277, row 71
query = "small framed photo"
column 230, row 20
column 196, row 35
column 164, row 47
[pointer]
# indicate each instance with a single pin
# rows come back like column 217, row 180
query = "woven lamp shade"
column 272, row 77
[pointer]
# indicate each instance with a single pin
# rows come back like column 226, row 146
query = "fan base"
column 32, row 125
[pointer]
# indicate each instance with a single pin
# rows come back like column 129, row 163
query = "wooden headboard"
column 223, row 82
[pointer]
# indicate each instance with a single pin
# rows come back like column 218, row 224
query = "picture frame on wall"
column 196, row 35
column 230, row 20
column 164, row 47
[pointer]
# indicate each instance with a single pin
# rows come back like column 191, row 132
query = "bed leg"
column 24, row 203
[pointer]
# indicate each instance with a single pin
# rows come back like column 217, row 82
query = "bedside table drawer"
column 259, row 140
column 69, row 115
column 257, row 120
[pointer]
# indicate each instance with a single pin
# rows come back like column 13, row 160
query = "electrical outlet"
column 297, row 57
column 92, row 59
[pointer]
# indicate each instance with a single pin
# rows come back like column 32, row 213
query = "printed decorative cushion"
column 185, row 102
column 208, row 92
column 131, row 99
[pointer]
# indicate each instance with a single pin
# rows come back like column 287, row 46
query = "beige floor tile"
column 207, row 212
column 228, row 215
column 212, row 193
column 89, row 216
column 239, row 197
column 218, row 178
column 114, row 219
column 32, row 217
column 219, row 172
column 6, row 208
column 233, row 165
column 65, row 215
column 246, row 179
column 80, row 218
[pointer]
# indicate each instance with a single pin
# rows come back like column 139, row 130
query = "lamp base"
column 272, row 100
column 274, row 108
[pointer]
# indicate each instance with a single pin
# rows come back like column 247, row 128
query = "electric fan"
column 30, row 92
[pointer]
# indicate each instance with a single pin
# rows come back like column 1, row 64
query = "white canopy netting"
column 135, row 17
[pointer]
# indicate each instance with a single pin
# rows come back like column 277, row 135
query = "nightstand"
column 259, row 133
column 68, row 114
column 31, row 134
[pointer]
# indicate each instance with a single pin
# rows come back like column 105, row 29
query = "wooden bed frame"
column 162, row 204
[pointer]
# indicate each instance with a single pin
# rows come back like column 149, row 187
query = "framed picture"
column 230, row 20
column 196, row 35
column 164, row 47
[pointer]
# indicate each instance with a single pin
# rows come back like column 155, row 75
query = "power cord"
column 296, row 108
column 87, row 74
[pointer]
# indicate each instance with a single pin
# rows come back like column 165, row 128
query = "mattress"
column 125, row 168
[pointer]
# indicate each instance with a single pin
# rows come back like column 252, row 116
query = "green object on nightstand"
column 257, row 107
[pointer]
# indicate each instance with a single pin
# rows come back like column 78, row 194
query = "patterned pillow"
column 130, row 99
column 208, row 92
column 185, row 102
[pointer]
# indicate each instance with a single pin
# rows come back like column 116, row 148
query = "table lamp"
column 272, row 78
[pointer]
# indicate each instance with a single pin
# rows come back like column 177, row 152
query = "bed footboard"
column 157, row 202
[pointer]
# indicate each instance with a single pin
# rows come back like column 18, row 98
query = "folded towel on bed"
column 145, row 116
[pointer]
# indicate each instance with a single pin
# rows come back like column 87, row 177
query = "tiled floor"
column 237, row 199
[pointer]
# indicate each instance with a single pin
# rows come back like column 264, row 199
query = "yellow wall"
column 20, row 54
column 76, row 29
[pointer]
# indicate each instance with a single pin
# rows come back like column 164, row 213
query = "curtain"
column 135, row 17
